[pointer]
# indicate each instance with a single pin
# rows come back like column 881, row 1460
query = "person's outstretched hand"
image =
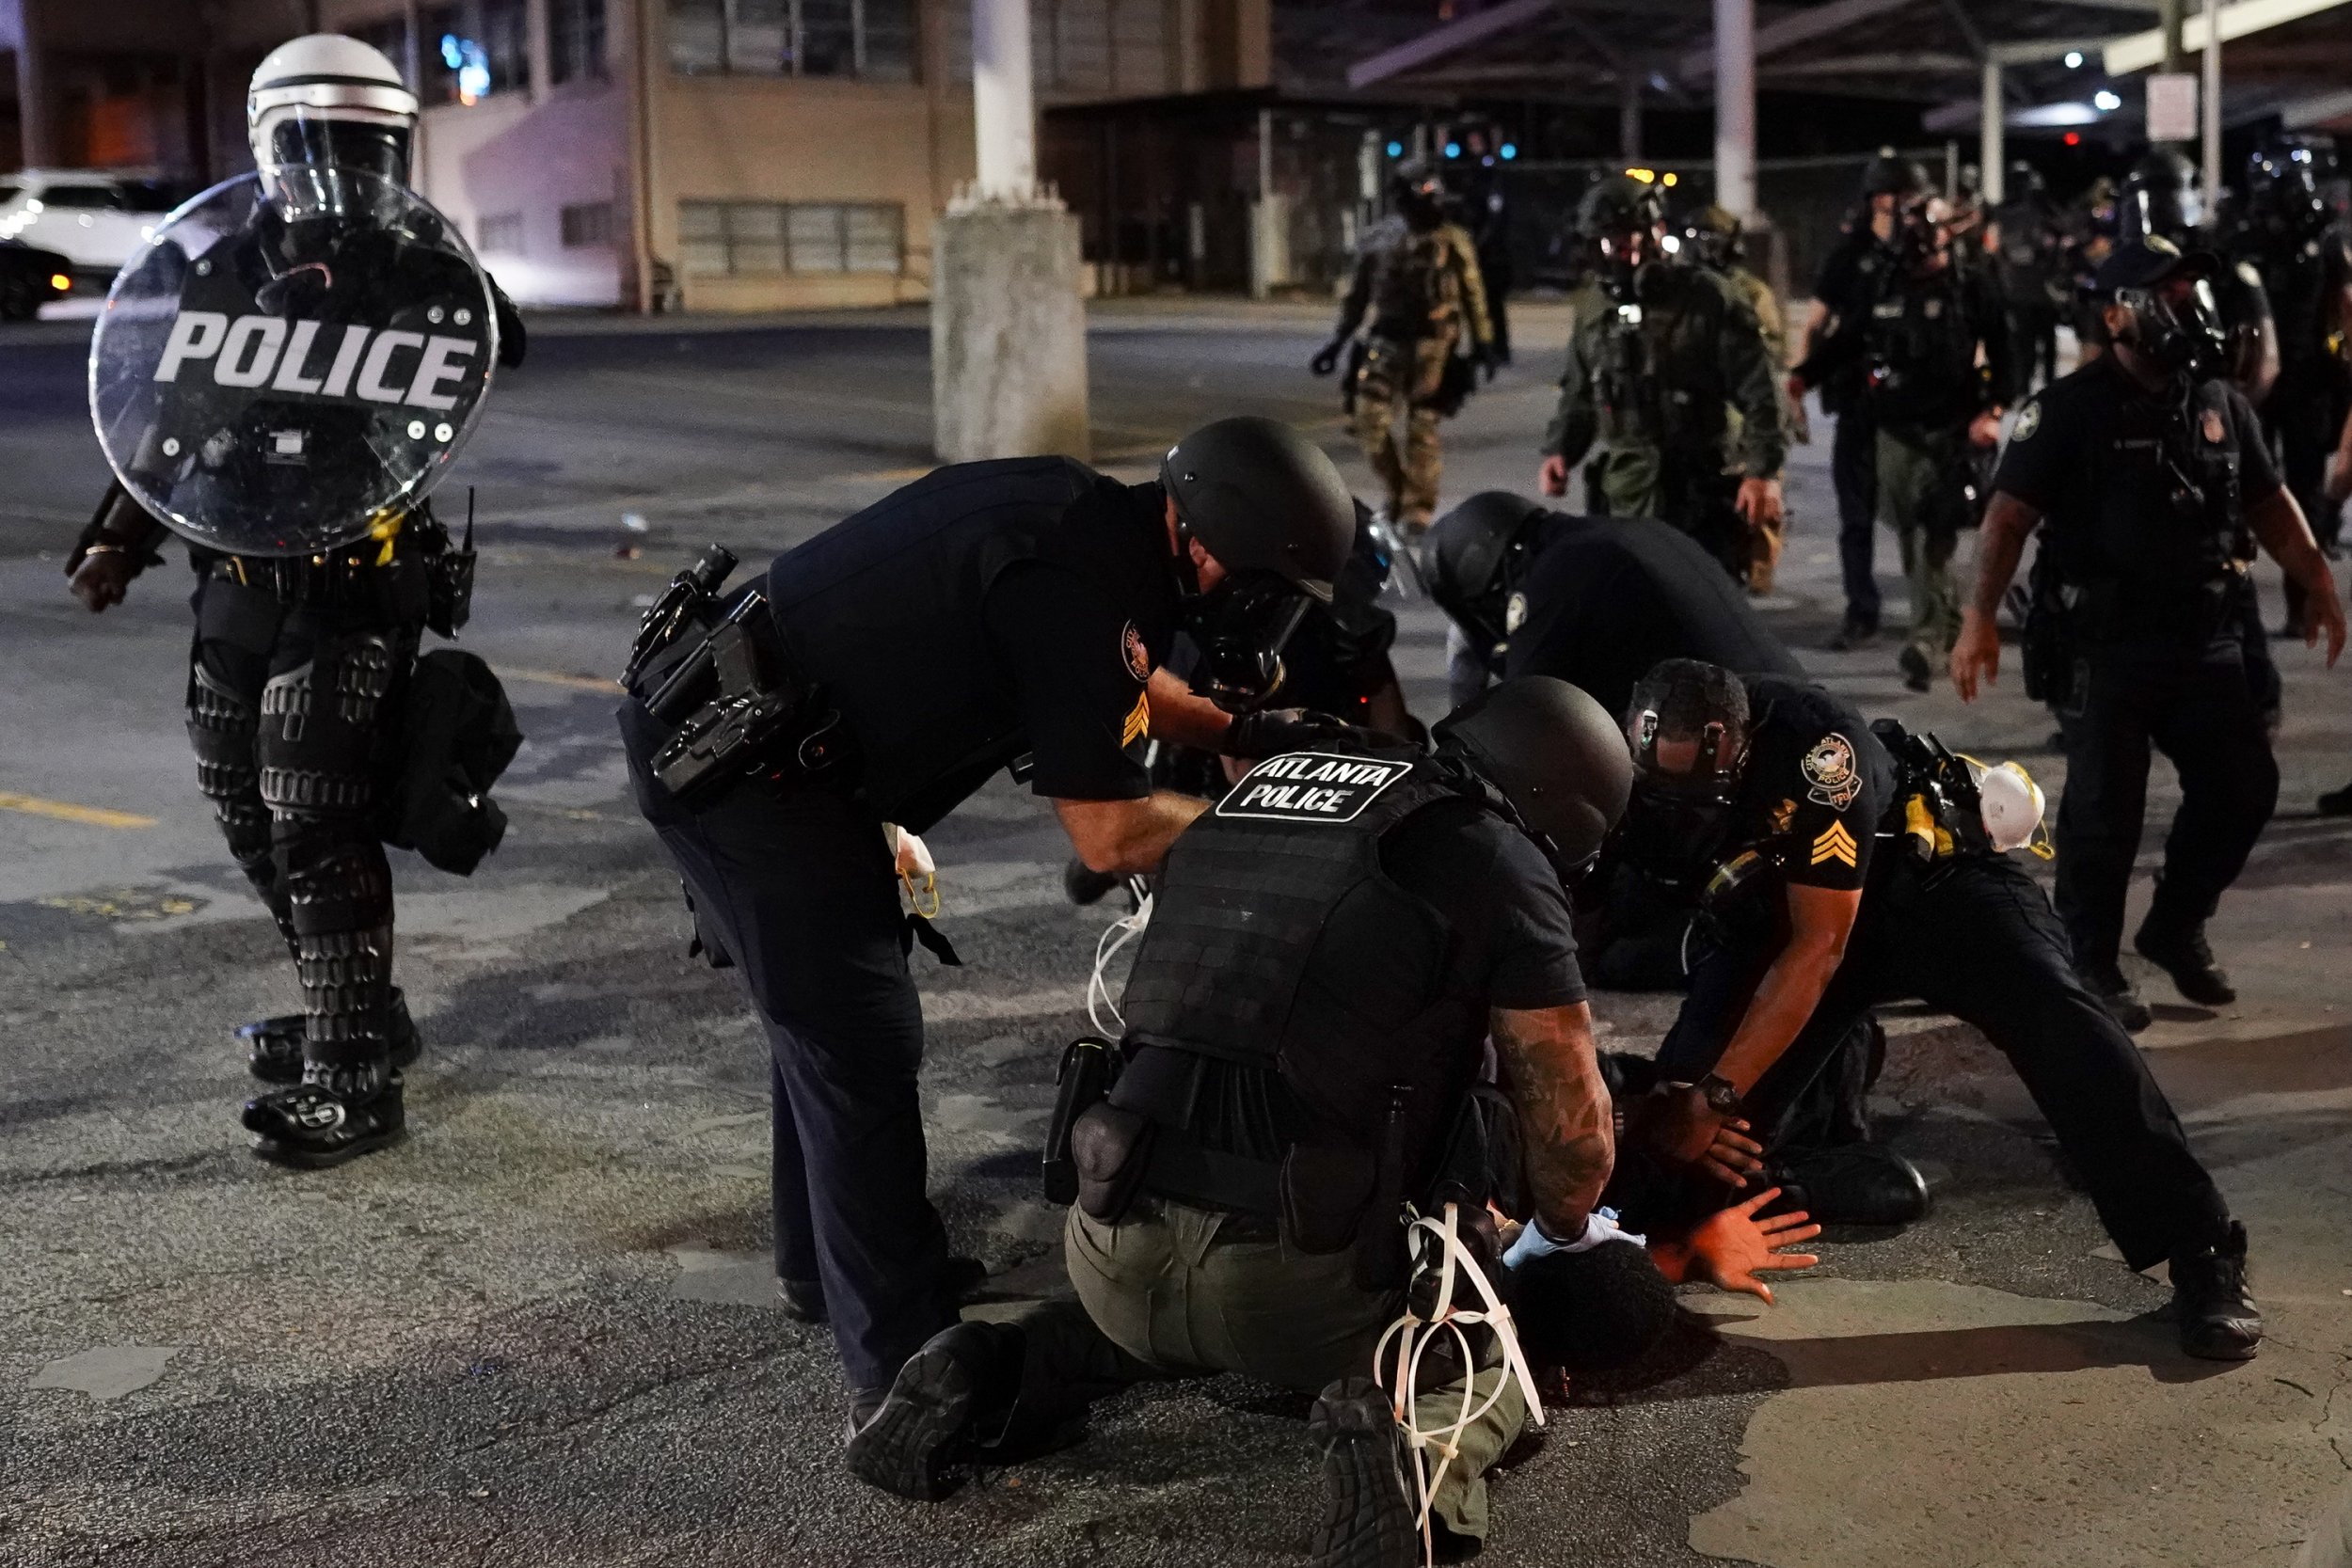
column 1732, row 1247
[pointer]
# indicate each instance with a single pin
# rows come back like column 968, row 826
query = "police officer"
column 1486, row 216
column 2149, row 481
column 1592, row 601
column 1845, row 875
column 2028, row 253
column 1661, row 357
column 991, row 613
column 1918, row 331
column 1417, row 278
column 2160, row 195
column 301, row 665
column 2293, row 238
column 1717, row 242
column 1848, row 274
column 1330, row 949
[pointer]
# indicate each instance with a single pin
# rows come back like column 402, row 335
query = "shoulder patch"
column 2028, row 421
column 1829, row 768
column 1514, row 613
column 1132, row 649
column 1310, row 787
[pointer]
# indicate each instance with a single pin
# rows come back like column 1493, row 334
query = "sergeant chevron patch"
column 1835, row 844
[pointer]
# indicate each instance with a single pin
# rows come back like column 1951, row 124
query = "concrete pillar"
column 1008, row 332
column 1003, row 107
column 2209, row 107
column 35, row 116
column 1269, row 221
column 1629, row 116
column 540, row 46
column 1735, row 106
column 1991, row 138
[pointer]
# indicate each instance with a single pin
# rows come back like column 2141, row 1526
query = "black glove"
column 1483, row 361
column 1272, row 731
column 1326, row 358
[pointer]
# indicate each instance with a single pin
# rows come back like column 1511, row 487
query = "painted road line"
column 66, row 810
column 600, row 684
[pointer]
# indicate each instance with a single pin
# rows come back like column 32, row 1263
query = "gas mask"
column 1623, row 255
column 1676, row 823
column 2176, row 326
column 1923, row 235
column 1240, row 627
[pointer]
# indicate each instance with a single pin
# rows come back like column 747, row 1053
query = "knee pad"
column 221, row 730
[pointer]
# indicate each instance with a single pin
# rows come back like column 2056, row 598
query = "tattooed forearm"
column 1564, row 1110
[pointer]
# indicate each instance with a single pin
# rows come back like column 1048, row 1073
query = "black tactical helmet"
column 1555, row 753
column 1261, row 496
column 1466, row 553
column 1620, row 203
column 1888, row 175
column 2284, row 182
column 2026, row 183
column 2160, row 195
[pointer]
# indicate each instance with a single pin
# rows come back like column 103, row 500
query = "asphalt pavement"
column 541, row 1330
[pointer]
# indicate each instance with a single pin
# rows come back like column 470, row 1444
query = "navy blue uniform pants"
column 1853, row 466
column 2202, row 708
column 797, row 887
column 1981, row 942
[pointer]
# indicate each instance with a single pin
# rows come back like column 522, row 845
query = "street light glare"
column 2073, row 59
column 2105, row 101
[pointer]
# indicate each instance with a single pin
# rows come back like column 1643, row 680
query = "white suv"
column 95, row 218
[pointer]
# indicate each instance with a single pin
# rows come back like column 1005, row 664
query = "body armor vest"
column 1278, row 943
column 1921, row 346
column 1416, row 289
column 883, row 617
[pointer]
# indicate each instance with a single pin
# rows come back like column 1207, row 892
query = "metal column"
column 1629, row 115
column 1735, row 106
column 1004, row 111
column 34, row 120
column 1991, row 152
column 2209, row 106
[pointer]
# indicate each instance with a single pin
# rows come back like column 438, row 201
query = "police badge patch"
column 1829, row 768
column 2028, row 421
column 1138, row 657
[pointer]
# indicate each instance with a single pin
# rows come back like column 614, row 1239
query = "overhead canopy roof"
column 2278, row 56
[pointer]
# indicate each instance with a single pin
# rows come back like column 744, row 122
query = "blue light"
column 453, row 50
column 1453, row 150
column 1508, row 151
column 1396, row 150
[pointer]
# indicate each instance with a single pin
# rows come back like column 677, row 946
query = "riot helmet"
column 2160, row 195
column 1554, row 753
column 2025, row 183
column 1472, row 555
column 2286, row 197
column 1686, row 730
column 1419, row 194
column 1272, row 510
column 1620, row 217
column 1888, row 174
column 2168, row 293
column 1718, row 238
column 320, row 109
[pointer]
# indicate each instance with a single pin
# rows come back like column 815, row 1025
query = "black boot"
column 1918, row 675
column 951, row 1393
column 2211, row 1304
column 348, row 1111
column 1853, row 634
column 2337, row 802
column 1367, row 1512
column 2116, row 995
column 1851, row 1184
column 274, row 1045
column 2179, row 948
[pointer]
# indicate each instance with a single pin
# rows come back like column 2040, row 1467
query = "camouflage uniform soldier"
column 1721, row 244
column 1417, row 276
column 1661, row 357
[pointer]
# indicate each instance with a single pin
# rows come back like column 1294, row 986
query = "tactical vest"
column 1278, row 943
column 1416, row 289
column 882, row 615
column 1922, row 351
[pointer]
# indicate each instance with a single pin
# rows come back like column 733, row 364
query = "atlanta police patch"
column 1310, row 787
column 1138, row 657
column 2028, row 421
column 1829, row 768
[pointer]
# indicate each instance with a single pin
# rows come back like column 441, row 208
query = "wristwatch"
column 1719, row 1094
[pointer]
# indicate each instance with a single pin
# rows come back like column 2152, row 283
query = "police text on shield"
column 387, row 366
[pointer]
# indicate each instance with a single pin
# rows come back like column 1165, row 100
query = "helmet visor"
column 308, row 138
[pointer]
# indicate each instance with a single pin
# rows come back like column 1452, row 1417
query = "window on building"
column 589, row 225
column 501, row 233
column 735, row 239
column 576, row 41
column 873, row 39
column 473, row 49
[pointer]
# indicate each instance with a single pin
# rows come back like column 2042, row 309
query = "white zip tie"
column 1114, row 936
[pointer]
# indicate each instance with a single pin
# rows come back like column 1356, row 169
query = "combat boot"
column 1367, row 1513
column 2179, row 948
column 1918, row 674
column 920, row 1443
column 2115, row 993
column 272, row 1045
column 2211, row 1304
column 1850, row 1184
column 347, row 1112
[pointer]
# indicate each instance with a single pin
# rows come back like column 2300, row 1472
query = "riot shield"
column 283, row 373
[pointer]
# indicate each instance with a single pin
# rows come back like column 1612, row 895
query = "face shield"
column 2177, row 325
column 1240, row 627
column 309, row 156
column 1684, row 787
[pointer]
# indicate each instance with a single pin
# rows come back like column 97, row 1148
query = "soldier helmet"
column 1720, row 236
column 1888, row 174
column 1555, row 753
column 1418, row 192
column 1619, row 203
column 1261, row 496
column 1467, row 553
column 329, row 101
column 2160, row 197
